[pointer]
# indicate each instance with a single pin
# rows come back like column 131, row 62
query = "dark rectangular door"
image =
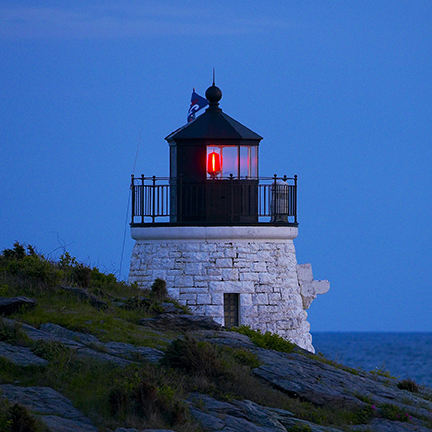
column 231, row 309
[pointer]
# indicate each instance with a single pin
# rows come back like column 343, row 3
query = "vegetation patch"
column 394, row 413
column 408, row 384
column 12, row 334
column 16, row 418
column 141, row 395
column 266, row 340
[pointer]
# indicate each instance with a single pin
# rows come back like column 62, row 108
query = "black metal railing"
column 228, row 201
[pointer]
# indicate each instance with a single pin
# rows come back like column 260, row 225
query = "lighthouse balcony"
column 230, row 201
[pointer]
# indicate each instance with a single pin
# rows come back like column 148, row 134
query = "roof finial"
column 213, row 94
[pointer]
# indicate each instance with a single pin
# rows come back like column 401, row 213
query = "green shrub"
column 81, row 275
column 394, row 413
column 363, row 415
column 199, row 358
column 266, row 340
column 5, row 418
column 146, row 394
column 17, row 253
column 29, row 268
column 4, row 289
column 300, row 428
column 246, row 357
column 159, row 289
column 408, row 384
column 51, row 350
column 382, row 371
column 12, row 334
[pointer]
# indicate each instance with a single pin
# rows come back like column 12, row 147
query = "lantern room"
column 215, row 159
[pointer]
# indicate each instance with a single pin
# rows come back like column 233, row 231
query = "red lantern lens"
column 213, row 164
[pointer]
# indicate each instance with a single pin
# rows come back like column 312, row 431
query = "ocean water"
column 404, row 355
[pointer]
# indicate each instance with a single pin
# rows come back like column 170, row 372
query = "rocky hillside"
column 80, row 351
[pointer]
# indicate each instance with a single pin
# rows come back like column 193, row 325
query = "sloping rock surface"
column 298, row 374
column 240, row 416
column 9, row 305
column 21, row 356
column 119, row 353
column 54, row 409
column 169, row 321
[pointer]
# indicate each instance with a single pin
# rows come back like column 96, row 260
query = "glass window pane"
column 229, row 161
column 253, row 165
column 248, row 162
column 244, row 162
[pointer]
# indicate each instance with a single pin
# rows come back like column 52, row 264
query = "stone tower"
column 220, row 235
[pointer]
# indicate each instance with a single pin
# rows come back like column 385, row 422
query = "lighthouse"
column 220, row 234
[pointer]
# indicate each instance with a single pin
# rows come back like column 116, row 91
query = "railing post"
column 133, row 198
column 153, row 198
column 275, row 197
column 295, row 199
column 286, row 192
column 142, row 198
column 231, row 197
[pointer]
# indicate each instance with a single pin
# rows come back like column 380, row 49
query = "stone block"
column 274, row 298
column 230, row 274
column 203, row 299
column 246, row 300
column 216, row 286
column 188, row 296
column 214, row 311
column 230, row 253
column 304, row 272
column 193, row 269
column 241, row 263
column 267, row 278
column 266, row 309
column 161, row 274
column 259, row 266
column 217, row 298
column 190, row 247
column 249, row 276
column 263, row 288
column 173, row 272
column 214, row 271
column 198, row 310
column 194, row 289
column 201, row 284
column 260, row 299
column 134, row 265
column 263, row 256
column 183, row 281
column 224, row 262
column 195, row 257
column 208, row 247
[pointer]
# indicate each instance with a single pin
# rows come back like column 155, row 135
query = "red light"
column 214, row 164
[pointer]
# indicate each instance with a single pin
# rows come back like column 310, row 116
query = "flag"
column 197, row 102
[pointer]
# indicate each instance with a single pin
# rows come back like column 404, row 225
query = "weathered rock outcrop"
column 168, row 321
column 299, row 374
column 84, row 295
column 54, row 409
column 86, row 345
column 9, row 305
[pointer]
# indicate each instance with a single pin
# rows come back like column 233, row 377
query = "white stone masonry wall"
column 199, row 272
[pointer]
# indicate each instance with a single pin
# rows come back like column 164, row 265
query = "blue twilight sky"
column 340, row 90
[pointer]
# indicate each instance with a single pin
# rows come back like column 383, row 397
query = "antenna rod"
column 213, row 76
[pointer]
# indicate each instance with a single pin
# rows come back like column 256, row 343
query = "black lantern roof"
column 214, row 124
